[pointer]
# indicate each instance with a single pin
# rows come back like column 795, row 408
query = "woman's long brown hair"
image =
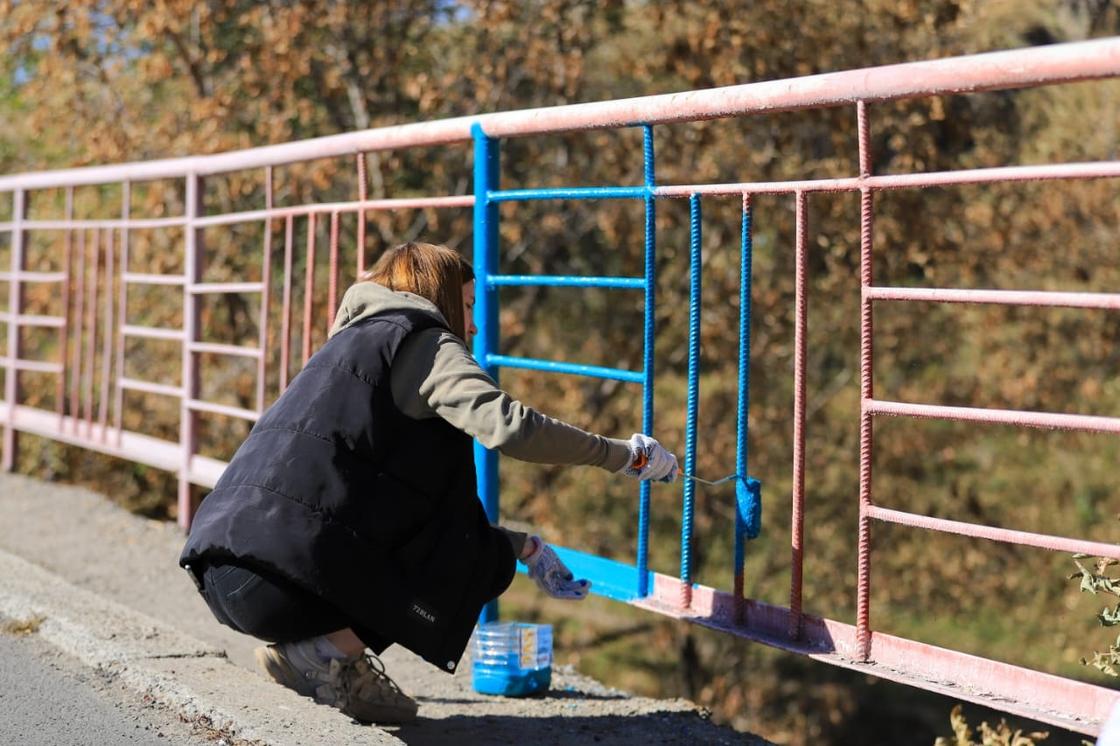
column 434, row 272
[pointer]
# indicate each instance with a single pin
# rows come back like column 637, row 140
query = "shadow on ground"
column 608, row 730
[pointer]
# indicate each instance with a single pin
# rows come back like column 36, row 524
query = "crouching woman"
column 348, row 520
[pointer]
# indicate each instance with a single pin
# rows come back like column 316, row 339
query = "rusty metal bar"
column 33, row 320
column 98, row 223
column 1042, row 420
column 215, row 348
column 147, row 387
column 800, row 342
column 866, row 385
column 15, row 309
column 1018, row 68
column 1067, row 703
column 962, row 177
column 325, row 208
column 107, row 340
column 188, row 420
column 1045, row 298
column 137, row 278
column 91, row 338
column 363, row 195
column 122, row 304
column 993, row 533
column 332, row 286
column 266, row 293
column 38, row 366
column 286, row 317
column 64, row 332
column 223, row 409
column 309, row 289
column 25, row 276
column 152, row 332
column 217, row 288
column 79, row 323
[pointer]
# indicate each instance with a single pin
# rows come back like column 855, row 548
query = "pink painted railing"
column 93, row 246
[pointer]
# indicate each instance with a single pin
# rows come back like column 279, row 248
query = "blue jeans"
column 271, row 608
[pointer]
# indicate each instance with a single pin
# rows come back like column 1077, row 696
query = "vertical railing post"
column 266, row 291
column 746, row 251
column 108, row 344
column 286, row 304
column 79, row 330
column 800, row 341
column 91, row 335
column 649, row 177
column 486, row 179
column 192, row 269
column 122, row 304
column 308, row 288
column 15, row 309
column 64, row 332
column 694, row 303
column 866, row 390
column 363, row 194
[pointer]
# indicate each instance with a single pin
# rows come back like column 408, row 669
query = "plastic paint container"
column 511, row 659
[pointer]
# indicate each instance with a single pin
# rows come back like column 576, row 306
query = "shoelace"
column 351, row 682
column 330, row 690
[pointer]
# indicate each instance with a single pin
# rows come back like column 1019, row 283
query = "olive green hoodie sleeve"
column 434, row 375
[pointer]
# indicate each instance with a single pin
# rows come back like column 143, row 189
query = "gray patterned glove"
column 550, row 574
column 649, row 460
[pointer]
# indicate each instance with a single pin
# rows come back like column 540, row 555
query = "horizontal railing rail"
column 1020, row 68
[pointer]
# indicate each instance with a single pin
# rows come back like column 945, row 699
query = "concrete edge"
column 163, row 664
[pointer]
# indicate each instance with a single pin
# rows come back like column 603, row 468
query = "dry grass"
column 21, row 627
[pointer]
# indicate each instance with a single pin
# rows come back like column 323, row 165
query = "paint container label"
column 528, row 647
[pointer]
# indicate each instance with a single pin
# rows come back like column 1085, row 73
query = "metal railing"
column 80, row 419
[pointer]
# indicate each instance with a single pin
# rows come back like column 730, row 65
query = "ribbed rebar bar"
column 286, row 313
column 649, row 310
column 363, row 195
column 332, row 284
column 308, row 289
column 91, row 338
column 744, row 388
column 266, row 293
column 107, row 340
column 122, row 313
column 79, row 329
column 64, row 332
column 866, row 386
column 800, row 342
column 15, row 308
column 693, row 402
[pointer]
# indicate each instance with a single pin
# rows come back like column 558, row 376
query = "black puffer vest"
column 374, row 512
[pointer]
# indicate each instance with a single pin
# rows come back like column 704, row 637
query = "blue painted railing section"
column 693, row 397
column 486, row 175
column 649, row 278
column 610, row 577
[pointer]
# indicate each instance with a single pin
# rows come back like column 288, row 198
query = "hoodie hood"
column 365, row 299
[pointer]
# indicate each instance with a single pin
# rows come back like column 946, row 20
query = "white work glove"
column 550, row 574
column 649, row 460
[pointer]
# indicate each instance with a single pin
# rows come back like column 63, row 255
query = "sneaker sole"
column 280, row 672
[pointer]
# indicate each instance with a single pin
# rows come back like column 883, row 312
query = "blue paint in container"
column 511, row 659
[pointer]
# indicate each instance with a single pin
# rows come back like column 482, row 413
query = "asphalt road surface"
column 48, row 699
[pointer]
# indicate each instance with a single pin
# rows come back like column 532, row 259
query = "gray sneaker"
column 359, row 687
